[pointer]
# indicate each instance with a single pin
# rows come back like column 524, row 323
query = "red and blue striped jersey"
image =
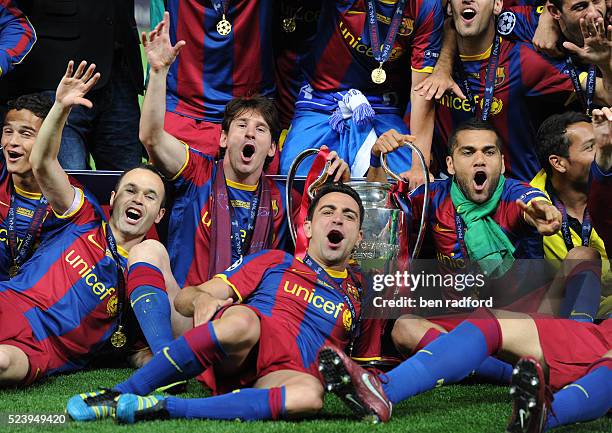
column 282, row 287
column 528, row 87
column 17, row 36
column 68, row 289
column 519, row 22
column 190, row 224
column 26, row 204
column 291, row 48
column 341, row 57
column 212, row 69
column 443, row 229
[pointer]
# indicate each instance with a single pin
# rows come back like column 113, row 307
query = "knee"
column 149, row 251
column 583, row 253
column 407, row 332
column 240, row 329
column 5, row 361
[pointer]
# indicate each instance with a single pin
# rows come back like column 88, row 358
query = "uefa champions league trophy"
column 384, row 248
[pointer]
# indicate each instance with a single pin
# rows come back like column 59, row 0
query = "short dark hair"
column 37, row 103
column 153, row 169
column 551, row 138
column 473, row 124
column 335, row 187
column 260, row 104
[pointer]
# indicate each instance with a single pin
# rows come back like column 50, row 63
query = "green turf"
column 457, row 409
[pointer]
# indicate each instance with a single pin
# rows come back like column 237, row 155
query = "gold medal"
column 379, row 75
column 224, row 27
column 289, row 25
column 13, row 270
column 118, row 339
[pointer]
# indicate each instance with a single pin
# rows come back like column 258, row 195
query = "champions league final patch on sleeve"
column 506, row 23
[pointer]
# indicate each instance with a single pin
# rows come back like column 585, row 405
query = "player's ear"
column 497, row 7
column 160, row 215
column 112, row 199
column 557, row 163
column 272, row 149
column 449, row 165
column 553, row 11
column 503, row 164
column 308, row 229
column 223, row 140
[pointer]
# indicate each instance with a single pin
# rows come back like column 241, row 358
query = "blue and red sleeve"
column 17, row 36
column 543, row 75
column 427, row 40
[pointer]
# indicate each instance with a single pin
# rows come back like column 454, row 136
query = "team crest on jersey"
column 506, row 23
column 406, row 27
column 347, row 320
column 111, row 306
column 352, row 291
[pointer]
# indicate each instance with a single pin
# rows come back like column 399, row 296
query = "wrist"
column 375, row 161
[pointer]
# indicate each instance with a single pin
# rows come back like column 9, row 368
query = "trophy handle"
column 311, row 189
column 421, row 235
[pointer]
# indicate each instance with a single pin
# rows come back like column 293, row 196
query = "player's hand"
column 338, row 168
column 437, row 84
column 158, row 48
column 415, row 176
column 205, row 306
column 544, row 216
column 547, row 36
column 602, row 128
column 389, row 141
column 597, row 48
column 73, row 87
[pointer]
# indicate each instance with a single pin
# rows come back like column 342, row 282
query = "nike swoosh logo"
column 365, row 377
column 522, row 417
column 438, row 228
column 91, row 239
column 350, row 398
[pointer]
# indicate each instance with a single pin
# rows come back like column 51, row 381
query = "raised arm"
column 166, row 152
column 51, row 178
column 602, row 127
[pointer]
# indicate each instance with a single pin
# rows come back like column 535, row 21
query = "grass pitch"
column 458, row 409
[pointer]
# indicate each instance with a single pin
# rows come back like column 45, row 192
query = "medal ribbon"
column 381, row 56
column 238, row 244
column 585, row 100
column 20, row 255
column 587, row 227
column 220, row 6
column 324, row 277
column 489, row 82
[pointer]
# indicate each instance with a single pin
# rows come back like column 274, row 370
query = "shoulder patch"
column 506, row 23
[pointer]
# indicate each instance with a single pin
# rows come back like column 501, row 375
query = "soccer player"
column 25, row 218
column 478, row 216
column 580, row 29
column 576, row 357
column 354, row 90
column 228, row 54
column 566, row 150
column 259, row 326
column 17, row 36
column 216, row 200
column 520, row 86
column 69, row 300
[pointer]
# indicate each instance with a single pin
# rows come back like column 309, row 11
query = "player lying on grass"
column 67, row 301
column 258, row 327
column 575, row 356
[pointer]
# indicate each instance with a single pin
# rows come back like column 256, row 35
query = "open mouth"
column 248, row 151
column 335, row 237
column 480, row 179
column 468, row 14
column 133, row 215
column 14, row 155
